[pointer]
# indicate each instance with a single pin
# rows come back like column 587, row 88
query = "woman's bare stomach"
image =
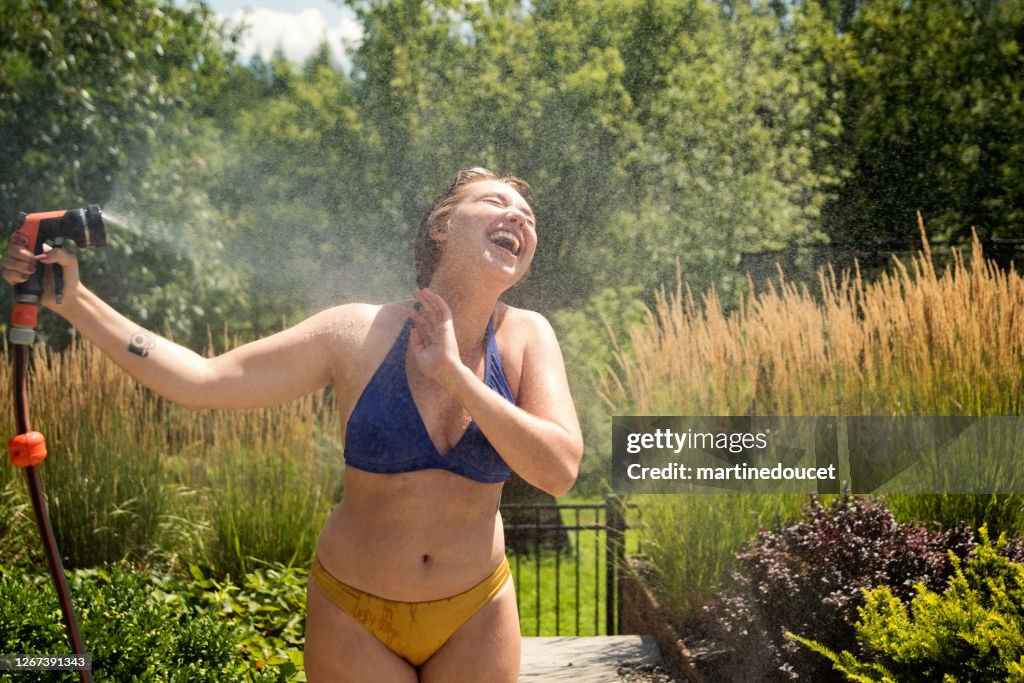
column 413, row 536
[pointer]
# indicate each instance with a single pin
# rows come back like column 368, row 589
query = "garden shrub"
column 807, row 577
column 973, row 632
column 268, row 609
column 137, row 626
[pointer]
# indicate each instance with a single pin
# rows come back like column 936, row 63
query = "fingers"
column 433, row 303
column 421, row 326
column 20, row 263
column 417, row 318
column 18, row 270
column 433, row 312
column 55, row 257
column 429, row 320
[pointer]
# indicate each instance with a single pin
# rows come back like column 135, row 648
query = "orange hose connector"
column 25, row 315
column 27, row 450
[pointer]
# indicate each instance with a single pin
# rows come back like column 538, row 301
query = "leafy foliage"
column 97, row 105
column 267, row 607
column 807, row 577
column 139, row 626
column 654, row 131
column 932, row 118
column 131, row 476
column 87, row 85
column 728, row 162
column 972, row 631
column 567, row 95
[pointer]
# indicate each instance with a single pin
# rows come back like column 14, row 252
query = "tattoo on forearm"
column 141, row 342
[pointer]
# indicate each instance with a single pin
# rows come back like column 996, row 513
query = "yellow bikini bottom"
column 412, row 630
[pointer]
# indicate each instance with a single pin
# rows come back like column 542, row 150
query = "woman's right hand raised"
column 20, row 264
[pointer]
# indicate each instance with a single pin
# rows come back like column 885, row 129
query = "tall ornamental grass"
column 132, row 476
column 915, row 341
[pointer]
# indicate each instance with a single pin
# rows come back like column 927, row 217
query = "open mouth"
column 506, row 240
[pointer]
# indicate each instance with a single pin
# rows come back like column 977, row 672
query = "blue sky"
column 297, row 27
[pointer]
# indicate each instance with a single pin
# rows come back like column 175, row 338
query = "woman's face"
column 492, row 226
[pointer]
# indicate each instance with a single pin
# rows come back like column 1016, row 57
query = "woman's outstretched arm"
column 272, row 370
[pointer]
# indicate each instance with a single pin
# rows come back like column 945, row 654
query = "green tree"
column 299, row 183
column 436, row 86
column 727, row 164
column 532, row 89
column 933, row 120
column 85, row 87
column 106, row 102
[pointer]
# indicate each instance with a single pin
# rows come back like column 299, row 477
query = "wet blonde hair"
column 427, row 251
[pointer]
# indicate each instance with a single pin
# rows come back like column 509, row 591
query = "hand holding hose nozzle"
column 84, row 227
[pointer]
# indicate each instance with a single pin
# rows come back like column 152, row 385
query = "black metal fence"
column 566, row 562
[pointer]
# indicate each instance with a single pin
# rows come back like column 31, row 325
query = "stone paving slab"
column 585, row 659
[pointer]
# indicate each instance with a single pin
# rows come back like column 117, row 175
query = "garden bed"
column 642, row 613
column 844, row 592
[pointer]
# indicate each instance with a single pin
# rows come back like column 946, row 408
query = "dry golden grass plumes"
column 912, row 342
column 131, row 475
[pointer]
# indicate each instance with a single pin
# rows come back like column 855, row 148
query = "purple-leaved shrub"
column 807, row 577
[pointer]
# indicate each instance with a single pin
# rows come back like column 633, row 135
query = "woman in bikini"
column 443, row 397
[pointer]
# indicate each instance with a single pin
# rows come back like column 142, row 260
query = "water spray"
column 27, row 450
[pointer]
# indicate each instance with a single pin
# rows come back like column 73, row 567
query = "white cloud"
column 297, row 33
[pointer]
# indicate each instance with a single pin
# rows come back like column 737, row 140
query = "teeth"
column 506, row 239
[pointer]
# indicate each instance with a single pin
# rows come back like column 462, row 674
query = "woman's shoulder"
column 521, row 326
column 354, row 333
column 519, row 318
column 527, row 343
column 358, row 322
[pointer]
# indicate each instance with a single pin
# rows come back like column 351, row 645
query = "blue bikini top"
column 386, row 434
